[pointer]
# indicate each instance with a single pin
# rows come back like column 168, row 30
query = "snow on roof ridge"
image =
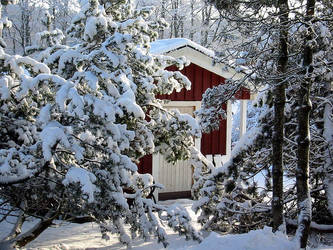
column 166, row 45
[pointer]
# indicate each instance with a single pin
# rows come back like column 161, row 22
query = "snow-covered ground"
column 87, row 236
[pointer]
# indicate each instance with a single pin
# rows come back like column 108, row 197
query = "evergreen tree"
column 74, row 126
column 47, row 38
column 230, row 197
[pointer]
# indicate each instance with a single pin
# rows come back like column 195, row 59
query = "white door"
column 174, row 177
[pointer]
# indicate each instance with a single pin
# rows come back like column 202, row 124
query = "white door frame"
column 197, row 105
column 197, row 142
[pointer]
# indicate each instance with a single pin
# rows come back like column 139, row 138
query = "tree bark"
column 32, row 234
column 192, row 21
column 24, row 178
column 328, row 134
column 314, row 227
column 303, row 149
column 16, row 230
column 279, row 105
column 0, row 18
column 163, row 10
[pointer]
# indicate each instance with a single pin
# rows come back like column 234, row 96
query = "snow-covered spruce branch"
column 11, row 180
column 211, row 111
column 16, row 230
column 26, row 237
column 220, row 192
column 6, row 212
column 83, row 112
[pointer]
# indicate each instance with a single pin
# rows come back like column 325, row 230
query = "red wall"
column 201, row 79
column 146, row 165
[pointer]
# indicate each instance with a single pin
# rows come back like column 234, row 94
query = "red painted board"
column 243, row 94
column 198, row 83
column 206, row 144
column 146, row 165
column 223, row 137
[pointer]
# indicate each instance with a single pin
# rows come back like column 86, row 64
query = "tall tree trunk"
column 23, row 239
column 303, row 150
column 0, row 18
column 27, row 32
column 163, row 10
column 192, row 21
column 174, row 22
column 17, row 227
column 2, row 42
column 279, row 105
column 206, row 13
column 328, row 135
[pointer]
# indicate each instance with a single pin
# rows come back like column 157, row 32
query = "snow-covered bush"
column 74, row 126
column 47, row 38
column 231, row 198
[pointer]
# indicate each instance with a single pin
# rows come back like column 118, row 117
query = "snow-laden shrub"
column 74, row 127
column 237, row 196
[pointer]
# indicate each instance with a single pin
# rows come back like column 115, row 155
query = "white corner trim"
column 155, row 164
column 218, row 160
column 229, row 128
column 225, row 158
column 243, row 112
column 253, row 95
column 210, row 158
column 196, row 104
column 197, row 143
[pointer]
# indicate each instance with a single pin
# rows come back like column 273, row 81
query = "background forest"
column 196, row 20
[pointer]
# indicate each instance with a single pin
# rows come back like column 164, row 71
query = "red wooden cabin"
column 203, row 74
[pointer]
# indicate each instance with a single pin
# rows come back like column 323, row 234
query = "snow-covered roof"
column 167, row 45
column 194, row 53
column 197, row 54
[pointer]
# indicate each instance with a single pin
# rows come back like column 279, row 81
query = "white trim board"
column 205, row 62
column 197, row 142
column 199, row 58
column 229, row 128
column 196, row 104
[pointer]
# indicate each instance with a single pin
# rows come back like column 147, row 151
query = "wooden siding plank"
column 189, row 73
column 200, row 82
column 222, row 80
column 215, row 80
column 207, row 80
column 243, row 94
column 197, row 83
column 146, row 165
column 223, row 133
column 215, row 141
column 206, row 143
column 182, row 93
column 222, row 137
